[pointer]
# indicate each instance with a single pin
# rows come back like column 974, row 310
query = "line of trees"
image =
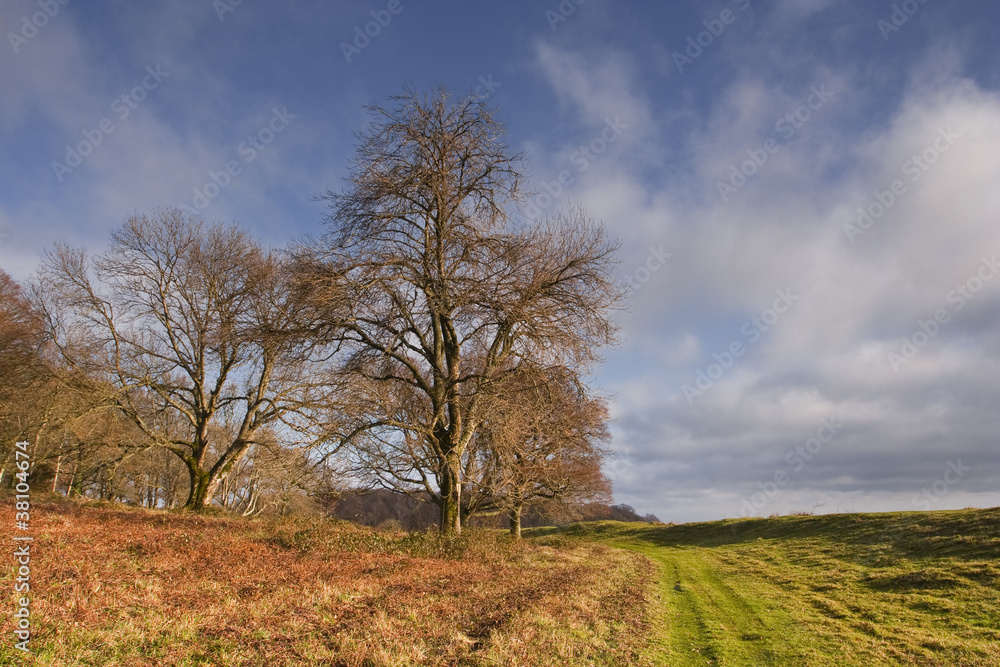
column 388, row 510
column 429, row 342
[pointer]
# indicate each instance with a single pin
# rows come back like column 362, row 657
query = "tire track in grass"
column 707, row 620
column 683, row 627
column 736, row 625
column 919, row 588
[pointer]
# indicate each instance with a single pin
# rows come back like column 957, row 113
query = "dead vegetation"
column 117, row 586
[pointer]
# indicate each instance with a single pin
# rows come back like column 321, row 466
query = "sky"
column 806, row 192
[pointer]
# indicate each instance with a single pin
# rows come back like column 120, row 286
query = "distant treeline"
column 389, row 509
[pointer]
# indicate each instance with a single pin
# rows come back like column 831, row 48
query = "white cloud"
column 829, row 353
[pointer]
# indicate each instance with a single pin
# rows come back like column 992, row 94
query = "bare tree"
column 436, row 291
column 27, row 380
column 188, row 323
column 541, row 443
column 40, row 402
column 274, row 479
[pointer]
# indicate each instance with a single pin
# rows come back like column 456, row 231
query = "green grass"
column 910, row 588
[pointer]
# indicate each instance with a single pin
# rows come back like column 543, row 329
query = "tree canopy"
column 438, row 290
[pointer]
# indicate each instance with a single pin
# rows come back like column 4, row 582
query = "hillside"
column 914, row 588
column 112, row 585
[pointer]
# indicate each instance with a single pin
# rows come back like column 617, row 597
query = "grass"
column 120, row 586
column 850, row 589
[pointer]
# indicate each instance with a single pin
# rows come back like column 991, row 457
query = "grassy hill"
column 112, row 585
column 121, row 586
column 915, row 588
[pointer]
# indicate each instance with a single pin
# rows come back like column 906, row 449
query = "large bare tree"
column 436, row 288
column 189, row 324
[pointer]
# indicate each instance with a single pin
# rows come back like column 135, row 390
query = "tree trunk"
column 451, row 500
column 209, row 481
column 201, row 491
column 251, row 506
column 515, row 521
column 108, row 491
column 55, row 476
column 451, row 522
column 73, row 486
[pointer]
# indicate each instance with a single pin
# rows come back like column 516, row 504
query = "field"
column 123, row 586
column 851, row 589
column 119, row 586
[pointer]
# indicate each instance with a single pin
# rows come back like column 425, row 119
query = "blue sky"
column 806, row 192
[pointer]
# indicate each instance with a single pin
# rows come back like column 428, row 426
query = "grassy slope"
column 850, row 589
column 118, row 586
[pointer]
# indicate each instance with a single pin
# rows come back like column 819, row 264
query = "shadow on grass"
column 971, row 534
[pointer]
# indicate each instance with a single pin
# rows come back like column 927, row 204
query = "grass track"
column 708, row 618
column 873, row 589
